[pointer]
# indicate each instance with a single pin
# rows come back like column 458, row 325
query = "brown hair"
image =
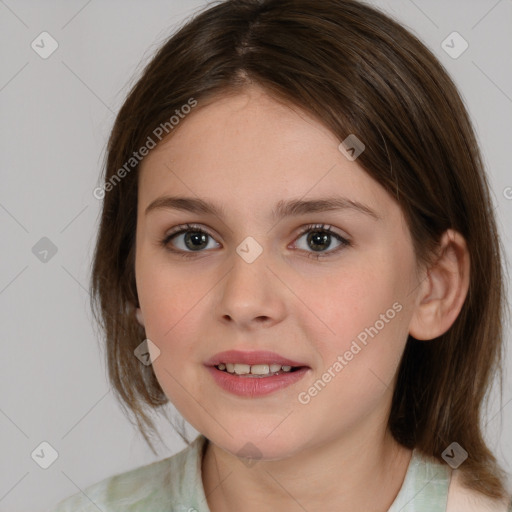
column 358, row 72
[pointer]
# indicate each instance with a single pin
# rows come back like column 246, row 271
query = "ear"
column 138, row 315
column 443, row 290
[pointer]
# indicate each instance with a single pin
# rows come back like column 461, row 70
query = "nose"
column 251, row 295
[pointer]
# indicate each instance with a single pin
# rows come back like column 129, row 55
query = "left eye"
column 192, row 239
column 320, row 238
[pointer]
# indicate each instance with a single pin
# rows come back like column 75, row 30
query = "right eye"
column 187, row 239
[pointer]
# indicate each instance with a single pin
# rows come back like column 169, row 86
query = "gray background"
column 56, row 116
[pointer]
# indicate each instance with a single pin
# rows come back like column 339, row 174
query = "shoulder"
column 154, row 486
column 431, row 486
column 462, row 499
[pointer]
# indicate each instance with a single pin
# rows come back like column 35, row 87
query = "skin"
column 247, row 152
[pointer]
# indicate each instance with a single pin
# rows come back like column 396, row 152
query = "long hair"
column 358, row 72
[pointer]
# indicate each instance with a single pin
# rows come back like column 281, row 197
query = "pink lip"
column 255, row 386
column 255, row 357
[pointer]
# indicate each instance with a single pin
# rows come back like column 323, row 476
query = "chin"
column 254, row 445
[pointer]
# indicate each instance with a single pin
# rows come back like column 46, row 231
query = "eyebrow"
column 293, row 207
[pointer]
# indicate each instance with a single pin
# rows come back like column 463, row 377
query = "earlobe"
column 138, row 315
column 444, row 289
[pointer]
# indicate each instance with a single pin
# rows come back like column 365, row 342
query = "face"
column 330, row 290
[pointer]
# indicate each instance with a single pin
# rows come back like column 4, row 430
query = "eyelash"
column 311, row 227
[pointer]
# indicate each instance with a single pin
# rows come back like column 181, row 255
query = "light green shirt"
column 174, row 484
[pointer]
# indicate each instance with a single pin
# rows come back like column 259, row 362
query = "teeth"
column 260, row 369
column 242, row 369
column 255, row 369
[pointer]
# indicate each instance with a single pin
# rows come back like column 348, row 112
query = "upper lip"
column 255, row 357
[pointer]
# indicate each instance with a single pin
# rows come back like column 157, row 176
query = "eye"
column 187, row 239
column 319, row 238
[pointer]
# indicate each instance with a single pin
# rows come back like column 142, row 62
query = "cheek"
column 360, row 361
column 166, row 293
column 356, row 299
column 170, row 302
column 170, row 308
column 368, row 314
column 173, row 302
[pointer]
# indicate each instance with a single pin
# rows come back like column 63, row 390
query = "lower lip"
column 255, row 386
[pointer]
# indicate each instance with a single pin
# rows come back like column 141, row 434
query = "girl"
column 298, row 250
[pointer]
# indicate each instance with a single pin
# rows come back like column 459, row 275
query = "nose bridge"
column 249, row 270
column 249, row 290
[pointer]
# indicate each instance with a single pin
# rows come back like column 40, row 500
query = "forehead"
column 249, row 146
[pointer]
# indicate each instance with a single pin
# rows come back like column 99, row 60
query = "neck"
column 363, row 472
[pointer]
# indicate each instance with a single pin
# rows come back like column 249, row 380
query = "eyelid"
column 321, row 227
column 302, row 230
column 187, row 227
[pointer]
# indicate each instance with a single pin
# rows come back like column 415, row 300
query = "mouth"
column 257, row 371
column 253, row 374
column 253, row 363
